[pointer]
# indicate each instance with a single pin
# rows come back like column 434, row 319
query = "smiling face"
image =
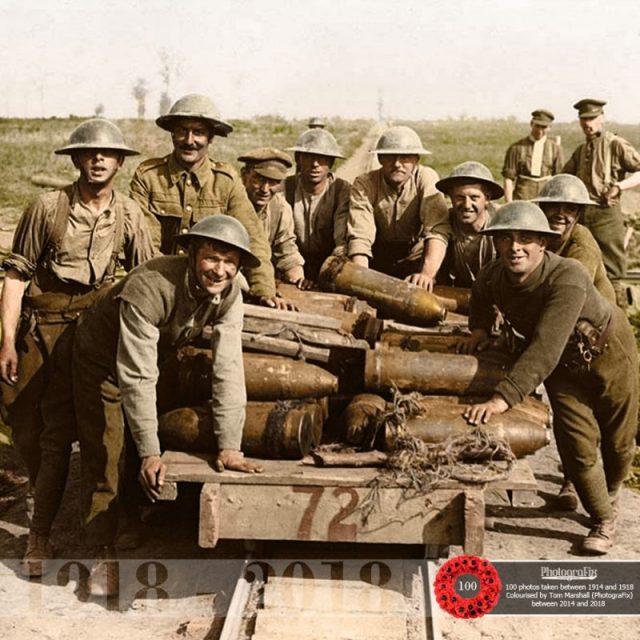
column 216, row 265
column 97, row 167
column 562, row 217
column 470, row 202
column 191, row 138
column 397, row 168
column 521, row 252
column 259, row 188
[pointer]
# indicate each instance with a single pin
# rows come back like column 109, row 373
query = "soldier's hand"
column 151, row 477
column 609, row 198
column 278, row 302
column 9, row 364
column 235, row 460
column 421, row 280
column 482, row 412
column 477, row 341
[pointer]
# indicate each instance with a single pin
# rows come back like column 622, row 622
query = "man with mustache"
column 65, row 252
column 471, row 188
column 569, row 336
column 262, row 174
column 531, row 161
column 398, row 221
column 603, row 163
column 186, row 186
column 145, row 318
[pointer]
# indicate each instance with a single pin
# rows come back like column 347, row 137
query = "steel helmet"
column 223, row 228
column 96, row 133
column 319, row 142
column 470, row 172
column 197, row 106
column 564, row 188
column 316, row 122
column 402, row 140
column 519, row 215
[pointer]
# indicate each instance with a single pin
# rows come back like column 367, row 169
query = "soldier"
column 316, row 122
column 563, row 200
column 398, row 220
column 319, row 200
column 142, row 321
column 67, row 246
column 602, row 163
column 187, row 185
column 577, row 343
column 531, row 161
column 264, row 170
column 471, row 188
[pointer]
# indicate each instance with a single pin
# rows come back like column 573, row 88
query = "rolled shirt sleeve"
column 137, row 372
column 228, row 390
column 361, row 225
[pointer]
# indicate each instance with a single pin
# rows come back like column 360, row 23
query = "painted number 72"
column 337, row 530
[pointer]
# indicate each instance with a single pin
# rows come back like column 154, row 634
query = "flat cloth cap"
column 268, row 162
column 589, row 107
column 542, row 117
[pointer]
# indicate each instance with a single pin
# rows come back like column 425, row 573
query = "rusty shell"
column 443, row 421
column 419, row 342
column 266, row 377
column 323, row 302
column 431, row 373
column 393, row 297
column 272, row 430
column 455, row 299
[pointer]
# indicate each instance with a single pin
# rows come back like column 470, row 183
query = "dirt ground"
column 199, row 583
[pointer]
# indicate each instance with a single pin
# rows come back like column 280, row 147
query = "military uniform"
column 600, row 163
column 175, row 199
column 466, row 254
column 320, row 221
column 70, row 257
column 517, row 166
column 594, row 403
column 581, row 246
column 142, row 321
column 391, row 228
column 277, row 219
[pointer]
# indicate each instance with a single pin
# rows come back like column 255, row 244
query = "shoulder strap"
column 59, row 222
column 290, row 191
column 118, row 240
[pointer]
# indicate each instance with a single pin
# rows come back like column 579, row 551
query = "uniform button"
column 189, row 208
column 184, row 230
column 181, row 252
column 189, row 183
column 162, row 211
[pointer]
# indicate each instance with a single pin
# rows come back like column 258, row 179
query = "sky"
column 422, row 59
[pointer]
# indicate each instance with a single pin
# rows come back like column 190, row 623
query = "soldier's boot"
column 567, row 498
column 105, row 575
column 600, row 538
column 35, row 562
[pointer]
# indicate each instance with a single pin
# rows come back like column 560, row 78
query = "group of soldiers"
column 82, row 356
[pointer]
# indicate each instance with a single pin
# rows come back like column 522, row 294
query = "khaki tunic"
column 517, row 166
column 599, row 163
column 595, row 408
column 277, row 219
column 320, row 222
column 174, row 199
column 395, row 222
column 142, row 322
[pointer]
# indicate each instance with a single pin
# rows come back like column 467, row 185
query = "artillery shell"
column 393, row 297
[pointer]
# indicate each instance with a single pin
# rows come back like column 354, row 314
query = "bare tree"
column 99, row 110
column 139, row 92
column 169, row 69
